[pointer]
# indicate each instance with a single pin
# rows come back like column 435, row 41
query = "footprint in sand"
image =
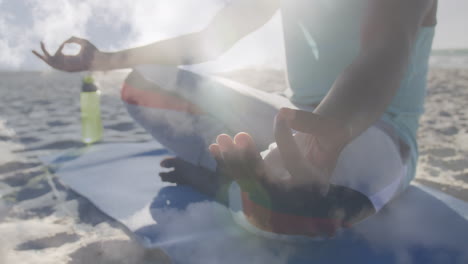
column 441, row 152
column 432, row 172
column 41, row 102
column 117, row 252
column 5, row 138
column 48, row 242
column 4, row 209
column 449, row 131
column 21, row 178
column 28, row 193
column 451, row 164
column 17, row 165
column 42, row 212
column 57, row 123
column 445, row 114
column 462, row 177
column 29, row 140
column 57, row 145
column 124, row 126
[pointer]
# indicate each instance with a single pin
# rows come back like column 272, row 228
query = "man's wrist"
column 104, row 61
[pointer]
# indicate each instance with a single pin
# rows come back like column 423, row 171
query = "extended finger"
column 289, row 151
column 217, row 155
column 225, row 143
column 215, row 151
column 40, row 56
column 251, row 158
column 228, row 151
column 222, row 151
column 46, row 53
column 246, row 144
column 233, row 158
column 221, row 167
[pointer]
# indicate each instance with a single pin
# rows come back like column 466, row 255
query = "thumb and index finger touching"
column 76, row 40
column 46, row 55
column 71, row 40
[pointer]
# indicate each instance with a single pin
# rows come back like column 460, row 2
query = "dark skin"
column 77, row 63
column 389, row 31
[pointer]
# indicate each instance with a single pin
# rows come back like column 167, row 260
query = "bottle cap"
column 88, row 85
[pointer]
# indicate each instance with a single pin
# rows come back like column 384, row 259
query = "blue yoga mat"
column 421, row 226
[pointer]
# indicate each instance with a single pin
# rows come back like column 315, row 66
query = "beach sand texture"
column 42, row 221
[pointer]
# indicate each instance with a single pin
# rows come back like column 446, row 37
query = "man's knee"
column 345, row 204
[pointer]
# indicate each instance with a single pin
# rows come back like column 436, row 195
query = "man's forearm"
column 236, row 20
column 364, row 90
column 187, row 49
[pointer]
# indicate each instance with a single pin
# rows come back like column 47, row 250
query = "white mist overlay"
column 114, row 25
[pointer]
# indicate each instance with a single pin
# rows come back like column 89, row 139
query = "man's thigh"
column 239, row 107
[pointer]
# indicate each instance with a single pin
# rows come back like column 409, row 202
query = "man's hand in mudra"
column 85, row 60
column 294, row 172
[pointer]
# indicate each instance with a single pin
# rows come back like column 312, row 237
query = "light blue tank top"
column 322, row 37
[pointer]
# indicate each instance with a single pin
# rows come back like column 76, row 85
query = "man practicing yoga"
column 337, row 145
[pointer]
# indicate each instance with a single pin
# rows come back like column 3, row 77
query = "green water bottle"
column 91, row 125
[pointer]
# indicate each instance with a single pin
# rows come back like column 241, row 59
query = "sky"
column 114, row 25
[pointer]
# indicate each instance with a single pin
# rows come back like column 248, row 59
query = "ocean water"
column 449, row 58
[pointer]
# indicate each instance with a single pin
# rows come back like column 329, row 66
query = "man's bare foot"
column 266, row 185
column 185, row 173
column 264, row 179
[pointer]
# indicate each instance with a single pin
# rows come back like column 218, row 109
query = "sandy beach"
column 42, row 221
